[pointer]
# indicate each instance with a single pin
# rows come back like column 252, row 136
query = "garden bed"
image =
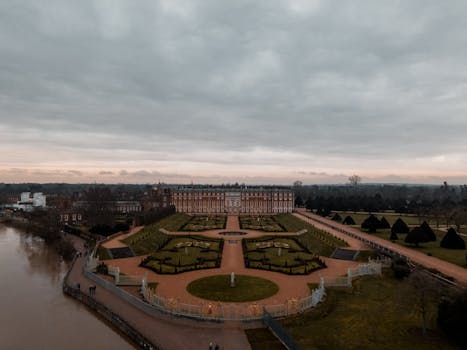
column 185, row 253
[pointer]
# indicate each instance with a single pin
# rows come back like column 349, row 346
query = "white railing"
column 372, row 268
column 216, row 311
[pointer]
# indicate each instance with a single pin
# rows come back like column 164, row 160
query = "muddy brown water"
column 34, row 313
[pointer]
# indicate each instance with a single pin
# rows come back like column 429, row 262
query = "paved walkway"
column 457, row 272
column 174, row 286
column 116, row 241
column 166, row 332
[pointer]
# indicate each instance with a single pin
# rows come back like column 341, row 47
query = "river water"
column 34, row 313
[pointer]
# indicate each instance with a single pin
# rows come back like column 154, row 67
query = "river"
column 34, row 313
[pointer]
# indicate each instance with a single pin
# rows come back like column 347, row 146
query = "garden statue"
column 232, row 279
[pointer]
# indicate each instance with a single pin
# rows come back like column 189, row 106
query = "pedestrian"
column 211, row 347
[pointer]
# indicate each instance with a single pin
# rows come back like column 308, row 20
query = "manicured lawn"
column 150, row 239
column 455, row 256
column 200, row 223
column 185, row 254
column 247, row 288
column 263, row 339
column 260, row 223
column 103, row 253
column 280, row 254
column 374, row 314
column 315, row 240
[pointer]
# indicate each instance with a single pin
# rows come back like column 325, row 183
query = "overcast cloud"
column 223, row 91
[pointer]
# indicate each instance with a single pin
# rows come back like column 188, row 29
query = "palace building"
column 232, row 199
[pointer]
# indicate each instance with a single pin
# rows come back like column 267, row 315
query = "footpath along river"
column 34, row 313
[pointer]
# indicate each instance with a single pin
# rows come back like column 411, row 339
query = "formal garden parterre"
column 280, row 254
column 199, row 223
column 185, row 253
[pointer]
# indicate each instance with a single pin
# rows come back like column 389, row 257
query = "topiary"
column 427, row 229
column 336, row 217
column 348, row 220
column 371, row 223
column 384, row 224
column 400, row 227
column 452, row 240
column 416, row 236
column 393, row 236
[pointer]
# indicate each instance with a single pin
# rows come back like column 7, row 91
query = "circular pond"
column 218, row 288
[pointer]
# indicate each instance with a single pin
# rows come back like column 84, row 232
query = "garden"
column 200, row 223
column 150, row 239
column 280, row 254
column 185, row 253
column 260, row 223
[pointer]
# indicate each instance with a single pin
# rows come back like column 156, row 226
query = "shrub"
column 337, row 217
column 384, row 224
column 416, row 236
column 348, row 220
column 429, row 232
column 452, row 240
column 371, row 223
column 393, row 236
column 400, row 227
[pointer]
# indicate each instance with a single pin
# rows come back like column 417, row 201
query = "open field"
column 247, row 288
column 455, row 256
column 185, row 254
column 280, row 254
column 200, row 223
column 375, row 314
column 260, row 223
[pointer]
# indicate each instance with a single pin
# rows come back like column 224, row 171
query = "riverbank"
column 35, row 312
column 54, row 239
column 163, row 330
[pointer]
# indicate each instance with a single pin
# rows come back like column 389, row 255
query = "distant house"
column 29, row 203
column 70, row 217
column 125, row 207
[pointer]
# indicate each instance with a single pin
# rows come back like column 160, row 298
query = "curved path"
column 446, row 268
column 174, row 286
column 164, row 331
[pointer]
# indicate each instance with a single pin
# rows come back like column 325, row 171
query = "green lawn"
column 455, row 256
column 200, row 223
column 150, row 239
column 375, row 314
column 260, row 223
column 291, row 257
column 247, row 288
column 185, row 254
column 315, row 240
column 103, row 253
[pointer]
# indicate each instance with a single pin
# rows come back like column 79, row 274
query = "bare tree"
column 355, row 179
column 424, row 290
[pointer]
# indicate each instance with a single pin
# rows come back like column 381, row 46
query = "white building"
column 28, row 203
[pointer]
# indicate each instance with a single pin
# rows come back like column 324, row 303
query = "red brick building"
column 232, row 200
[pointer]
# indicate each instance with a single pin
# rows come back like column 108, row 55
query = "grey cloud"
column 192, row 82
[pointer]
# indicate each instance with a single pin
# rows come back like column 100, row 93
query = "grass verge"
column 247, row 288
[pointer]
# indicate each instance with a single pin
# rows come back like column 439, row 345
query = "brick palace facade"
column 232, row 200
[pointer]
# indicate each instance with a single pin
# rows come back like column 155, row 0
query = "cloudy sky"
column 221, row 91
